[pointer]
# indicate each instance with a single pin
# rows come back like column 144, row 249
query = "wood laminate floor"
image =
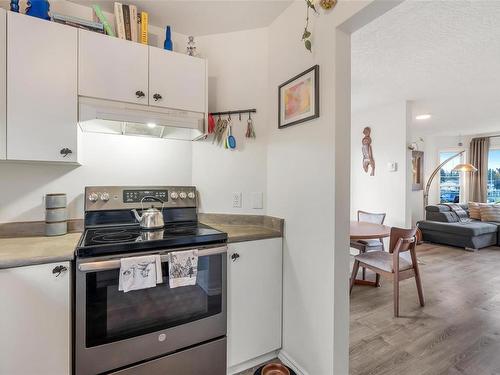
column 456, row 333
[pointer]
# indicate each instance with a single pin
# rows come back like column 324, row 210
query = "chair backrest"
column 369, row 217
column 407, row 235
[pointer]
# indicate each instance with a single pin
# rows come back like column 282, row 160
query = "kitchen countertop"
column 27, row 251
column 241, row 228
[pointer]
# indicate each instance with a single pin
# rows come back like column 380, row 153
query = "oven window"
column 112, row 315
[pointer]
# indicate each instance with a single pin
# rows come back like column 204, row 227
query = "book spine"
column 104, row 20
column 133, row 22
column 80, row 26
column 120, row 27
column 126, row 21
column 144, row 28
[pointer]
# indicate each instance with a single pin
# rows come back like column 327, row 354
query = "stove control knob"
column 93, row 197
column 191, row 195
column 174, row 195
column 183, row 195
column 104, row 197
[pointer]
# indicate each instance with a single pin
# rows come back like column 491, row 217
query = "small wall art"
column 299, row 98
column 417, row 163
column 366, row 148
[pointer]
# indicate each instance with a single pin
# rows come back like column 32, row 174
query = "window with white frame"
column 494, row 175
column 450, row 182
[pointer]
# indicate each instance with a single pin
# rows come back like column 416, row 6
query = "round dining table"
column 360, row 230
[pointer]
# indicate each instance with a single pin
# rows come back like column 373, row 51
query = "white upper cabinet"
column 41, row 90
column 113, row 69
column 177, row 81
column 3, row 86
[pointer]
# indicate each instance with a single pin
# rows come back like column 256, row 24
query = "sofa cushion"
column 490, row 213
column 474, row 211
column 437, row 208
column 472, row 229
column 445, row 217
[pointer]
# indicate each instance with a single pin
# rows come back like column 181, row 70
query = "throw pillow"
column 490, row 212
column 474, row 211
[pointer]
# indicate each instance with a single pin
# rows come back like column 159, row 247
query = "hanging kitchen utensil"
column 250, row 129
column 231, row 141
column 218, row 130
column 211, row 124
column 222, row 135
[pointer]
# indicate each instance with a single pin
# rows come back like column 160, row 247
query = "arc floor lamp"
column 464, row 167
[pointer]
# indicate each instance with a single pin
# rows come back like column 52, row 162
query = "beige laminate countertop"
column 27, row 251
column 245, row 232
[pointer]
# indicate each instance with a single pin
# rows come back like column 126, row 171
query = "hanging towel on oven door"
column 183, row 268
column 139, row 272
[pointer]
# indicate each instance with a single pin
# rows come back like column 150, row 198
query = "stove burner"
column 123, row 235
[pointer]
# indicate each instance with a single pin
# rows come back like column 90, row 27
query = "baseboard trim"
column 290, row 362
column 252, row 363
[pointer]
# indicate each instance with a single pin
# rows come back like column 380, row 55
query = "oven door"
column 114, row 329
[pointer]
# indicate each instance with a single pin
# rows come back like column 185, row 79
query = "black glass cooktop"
column 107, row 240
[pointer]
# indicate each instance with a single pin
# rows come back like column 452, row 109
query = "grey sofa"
column 443, row 226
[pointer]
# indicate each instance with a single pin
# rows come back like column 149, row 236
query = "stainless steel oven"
column 151, row 330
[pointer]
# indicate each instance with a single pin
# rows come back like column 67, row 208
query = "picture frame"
column 417, row 163
column 298, row 98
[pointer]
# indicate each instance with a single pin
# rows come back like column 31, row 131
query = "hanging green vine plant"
column 306, row 36
column 326, row 5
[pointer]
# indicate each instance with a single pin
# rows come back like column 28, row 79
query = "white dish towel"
column 140, row 272
column 183, row 268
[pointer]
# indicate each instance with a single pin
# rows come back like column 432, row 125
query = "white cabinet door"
column 41, row 89
column 254, row 299
column 35, row 322
column 112, row 68
column 3, row 85
column 177, row 81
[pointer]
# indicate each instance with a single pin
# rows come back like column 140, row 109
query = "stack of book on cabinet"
column 78, row 22
column 129, row 24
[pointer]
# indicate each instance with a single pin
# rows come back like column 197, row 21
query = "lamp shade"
column 465, row 168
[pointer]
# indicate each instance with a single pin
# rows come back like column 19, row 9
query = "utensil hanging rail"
column 240, row 111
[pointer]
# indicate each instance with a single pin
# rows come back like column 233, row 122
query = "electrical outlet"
column 257, row 200
column 237, row 199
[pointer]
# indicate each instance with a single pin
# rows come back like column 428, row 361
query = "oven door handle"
column 106, row 265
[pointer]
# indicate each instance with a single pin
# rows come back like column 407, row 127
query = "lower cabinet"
column 254, row 300
column 35, row 320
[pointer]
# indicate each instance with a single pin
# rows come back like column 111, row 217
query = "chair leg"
column 377, row 280
column 396, row 294
column 420, row 290
column 355, row 270
column 363, row 273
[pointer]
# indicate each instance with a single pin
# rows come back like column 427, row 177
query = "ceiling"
column 444, row 55
column 204, row 17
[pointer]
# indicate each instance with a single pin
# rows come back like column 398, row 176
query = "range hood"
column 110, row 117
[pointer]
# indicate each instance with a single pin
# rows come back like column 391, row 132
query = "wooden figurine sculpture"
column 367, row 152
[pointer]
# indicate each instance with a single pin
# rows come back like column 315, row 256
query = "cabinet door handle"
column 65, row 151
column 140, row 94
column 235, row 256
column 58, row 270
column 157, row 97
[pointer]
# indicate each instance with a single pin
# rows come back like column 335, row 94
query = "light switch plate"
column 257, row 200
column 392, row 166
column 237, row 199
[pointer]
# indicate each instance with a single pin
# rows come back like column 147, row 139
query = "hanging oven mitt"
column 211, row 124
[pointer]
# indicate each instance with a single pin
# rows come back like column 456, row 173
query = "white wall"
column 237, row 69
column 106, row 160
column 306, row 185
column 386, row 191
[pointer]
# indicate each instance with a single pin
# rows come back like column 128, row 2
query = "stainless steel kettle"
column 152, row 218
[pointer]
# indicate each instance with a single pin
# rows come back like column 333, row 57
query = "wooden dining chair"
column 396, row 264
column 369, row 245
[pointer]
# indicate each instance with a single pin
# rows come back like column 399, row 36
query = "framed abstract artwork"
column 299, row 98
